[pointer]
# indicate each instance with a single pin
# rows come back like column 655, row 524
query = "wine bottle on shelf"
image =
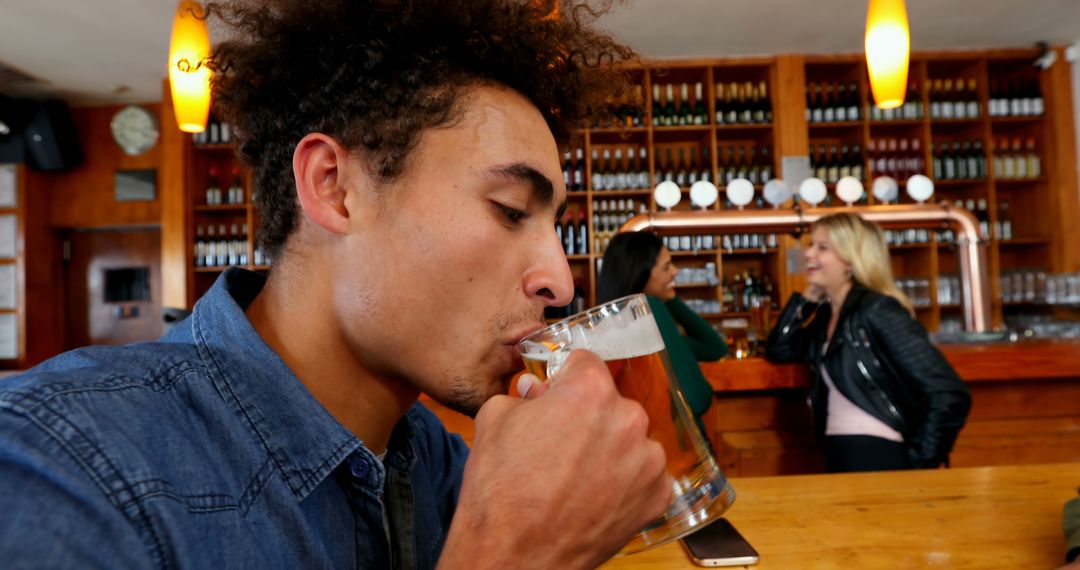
column 578, row 177
column 620, row 171
column 213, row 188
column 582, row 233
column 705, row 166
column 1004, row 221
column 812, row 113
column 1014, row 98
column 701, row 109
column 607, row 177
column 210, row 247
column 841, row 103
column 242, row 244
column 643, row 169
column 236, row 189
column 973, row 99
column 746, row 113
column 566, row 172
column 569, row 235
column 222, row 249
column 828, row 109
column 721, row 104
column 857, row 162
column 657, row 108
column 1031, row 157
column 766, row 103
column 681, row 170
column 637, row 113
column 1038, row 106
column 200, row 247
column 854, row 102
column 733, row 105
column 686, row 112
column 765, row 168
column 232, row 252
column 597, row 177
column 670, row 114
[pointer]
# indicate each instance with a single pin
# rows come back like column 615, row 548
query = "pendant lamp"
column 888, row 45
column 189, row 76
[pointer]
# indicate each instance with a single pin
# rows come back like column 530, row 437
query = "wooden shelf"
column 748, row 251
column 695, row 285
column 221, row 268
column 600, row 194
column 683, row 129
column 961, row 181
column 619, row 130
column 911, row 246
column 954, row 122
column 221, row 208
column 1024, row 242
column 1017, row 120
column 694, row 253
column 214, row 147
column 898, row 123
column 579, row 257
column 1019, row 181
column 744, row 127
column 835, row 125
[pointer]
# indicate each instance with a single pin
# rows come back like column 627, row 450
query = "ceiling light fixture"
column 189, row 76
column 888, row 46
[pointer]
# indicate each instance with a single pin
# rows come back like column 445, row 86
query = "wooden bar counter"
column 1025, row 409
column 984, row 517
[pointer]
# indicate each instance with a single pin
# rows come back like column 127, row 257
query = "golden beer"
column 624, row 334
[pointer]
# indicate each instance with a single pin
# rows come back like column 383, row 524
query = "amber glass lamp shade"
column 189, row 76
column 888, row 46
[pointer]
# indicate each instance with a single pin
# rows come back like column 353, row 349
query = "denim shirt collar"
column 303, row 439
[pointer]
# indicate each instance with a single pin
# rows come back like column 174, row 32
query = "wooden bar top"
column 979, row 517
column 993, row 362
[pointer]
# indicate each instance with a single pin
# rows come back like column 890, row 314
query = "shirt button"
column 359, row 468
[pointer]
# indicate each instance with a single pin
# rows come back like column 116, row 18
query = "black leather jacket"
column 881, row 359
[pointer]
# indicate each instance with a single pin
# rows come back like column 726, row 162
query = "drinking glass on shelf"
column 624, row 334
column 760, row 323
column 738, row 336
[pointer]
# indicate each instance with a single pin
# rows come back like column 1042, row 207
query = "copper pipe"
column 974, row 280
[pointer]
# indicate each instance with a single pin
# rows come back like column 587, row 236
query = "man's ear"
column 320, row 164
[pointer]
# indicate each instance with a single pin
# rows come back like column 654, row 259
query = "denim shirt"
column 203, row 450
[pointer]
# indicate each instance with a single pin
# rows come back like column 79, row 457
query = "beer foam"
column 623, row 336
column 616, row 337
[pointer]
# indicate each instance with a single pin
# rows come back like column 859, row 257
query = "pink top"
column 845, row 418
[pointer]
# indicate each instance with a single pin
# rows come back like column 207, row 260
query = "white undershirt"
column 845, row 418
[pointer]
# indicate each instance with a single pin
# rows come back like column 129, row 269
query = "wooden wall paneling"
column 40, row 258
column 177, row 233
column 791, row 138
column 83, row 197
column 1064, row 192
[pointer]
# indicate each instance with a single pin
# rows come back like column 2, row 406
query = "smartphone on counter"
column 719, row 544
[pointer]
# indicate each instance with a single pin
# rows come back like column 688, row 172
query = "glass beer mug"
column 624, row 334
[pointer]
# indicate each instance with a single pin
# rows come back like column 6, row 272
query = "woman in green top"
column 638, row 262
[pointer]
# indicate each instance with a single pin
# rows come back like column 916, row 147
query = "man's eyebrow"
column 541, row 185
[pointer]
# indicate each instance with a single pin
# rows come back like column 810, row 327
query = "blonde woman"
column 883, row 397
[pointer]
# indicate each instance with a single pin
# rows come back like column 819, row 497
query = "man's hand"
column 561, row 480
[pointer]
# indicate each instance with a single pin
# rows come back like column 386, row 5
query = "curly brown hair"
column 373, row 74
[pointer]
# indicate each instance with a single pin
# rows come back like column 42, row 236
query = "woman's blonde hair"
column 861, row 244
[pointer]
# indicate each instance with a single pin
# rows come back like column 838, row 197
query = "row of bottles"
column 743, row 105
column 233, row 195
column 614, row 171
column 954, row 99
column 1016, row 98
column 216, row 248
column 1011, row 162
column 216, row 132
column 668, row 113
column 739, row 291
column 840, row 161
column 832, row 102
column 574, row 233
column 898, row 158
column 958, row 161
column 608, row 217
column 911, row 109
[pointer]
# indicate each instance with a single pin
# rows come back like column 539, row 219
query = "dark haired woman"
column 638, row 262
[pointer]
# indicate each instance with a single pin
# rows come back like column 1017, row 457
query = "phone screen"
column 719, row 544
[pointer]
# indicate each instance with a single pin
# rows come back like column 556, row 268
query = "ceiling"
column 103, row 51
